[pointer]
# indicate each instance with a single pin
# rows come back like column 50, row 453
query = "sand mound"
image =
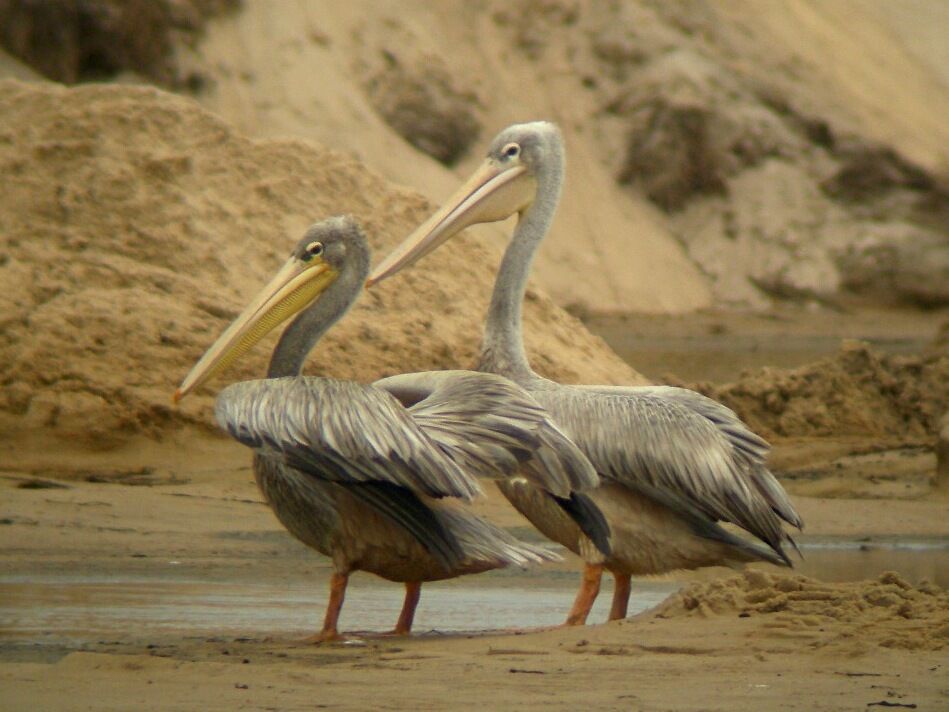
column 720, row 127
column 888, row 611
column 857, row 392
column 737, row 154
column 396, row 76
column 777, row 185
column 136, row 224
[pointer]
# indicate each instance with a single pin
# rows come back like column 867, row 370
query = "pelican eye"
column 314, row 249
column 511, row 150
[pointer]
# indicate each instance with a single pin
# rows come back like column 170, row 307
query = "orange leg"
column 333, row 607
column 621, row 587
column 589, row 589
column 413, row 590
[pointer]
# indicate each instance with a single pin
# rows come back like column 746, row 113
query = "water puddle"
column 68, row 609
column 914, row 558
column 699, row 348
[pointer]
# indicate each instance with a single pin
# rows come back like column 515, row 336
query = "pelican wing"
column 665, row 449
column 493, row 428
column 340, row 431
column 399, row 504
column 748, row 446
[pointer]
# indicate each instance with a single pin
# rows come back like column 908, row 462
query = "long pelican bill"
column 294, row 287
column 494, row 192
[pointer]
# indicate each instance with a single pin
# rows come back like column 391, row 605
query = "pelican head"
column 504, row 184
column 325, row 251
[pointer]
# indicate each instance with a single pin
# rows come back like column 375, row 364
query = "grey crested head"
column 537, row 145
column 315, row 286
column 340, row 242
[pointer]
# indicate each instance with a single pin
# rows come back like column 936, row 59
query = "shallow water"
column 914, row 558
column 724, row 358
column 68, row 609
column 71, row 609
column 702, row 347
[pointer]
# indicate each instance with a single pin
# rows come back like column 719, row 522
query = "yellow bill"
column 298, row 283
column 494, row 192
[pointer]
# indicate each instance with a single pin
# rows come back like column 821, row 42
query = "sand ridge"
column 888, row 611
column 859, row 391
column 717, row 154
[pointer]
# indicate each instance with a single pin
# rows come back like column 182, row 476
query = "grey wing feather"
column 494, row 428
column 748, row 446
column 667, row 451
column 311, row 501
column 340, row 431
column 589, row 518
column 482, row 540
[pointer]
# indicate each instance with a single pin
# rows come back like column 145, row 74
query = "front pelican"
column 349, row 470
column 672, row 462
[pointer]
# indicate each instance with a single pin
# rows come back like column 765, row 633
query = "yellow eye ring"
column 314, row 249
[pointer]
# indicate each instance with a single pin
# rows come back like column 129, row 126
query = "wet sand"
column 46, row 615
column 187, row 594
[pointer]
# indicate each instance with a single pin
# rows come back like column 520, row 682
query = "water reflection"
column 63, row 608
column 914, row 559
column 57, row 610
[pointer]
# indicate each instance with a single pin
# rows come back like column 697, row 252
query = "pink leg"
column 589, row 589
column 333, row 607
column 621, row 588
column 413, row 590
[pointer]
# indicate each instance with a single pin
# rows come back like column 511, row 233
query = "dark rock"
column 868, row 170
column 74, row 41
column 898, row 263
column 670, row 156
column 422, row 102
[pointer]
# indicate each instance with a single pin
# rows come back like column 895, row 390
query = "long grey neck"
column 502, row 349
column 301, row 335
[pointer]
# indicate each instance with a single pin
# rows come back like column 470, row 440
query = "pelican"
column 354, row 474
column 673, row 464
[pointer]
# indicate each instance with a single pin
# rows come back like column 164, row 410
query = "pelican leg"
column 621, row 588
column 589, row 589
column 330, row 631
column 413, row 591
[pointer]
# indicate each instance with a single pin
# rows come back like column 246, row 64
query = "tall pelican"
column 351, row 472
column 673, row 463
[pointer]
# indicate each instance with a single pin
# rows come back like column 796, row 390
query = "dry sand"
column 718, row 152
column 134, row 224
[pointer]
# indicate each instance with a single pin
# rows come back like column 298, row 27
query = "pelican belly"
column 304, row 505
column 326, row 517
column 541, row 511
column 648, row 538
